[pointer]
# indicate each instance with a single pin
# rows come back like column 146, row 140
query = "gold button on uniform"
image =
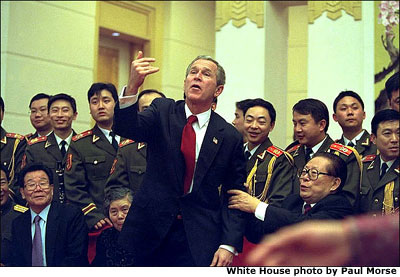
column 376, row 200
column 95, row 162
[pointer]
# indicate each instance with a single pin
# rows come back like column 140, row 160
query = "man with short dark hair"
column 238, row 122
column 12, row 147
column 50, row 234
column 180, row 215
column 348, row 109
column 380, row 178
column 39, row 116
column 320, row 197
column 51, row 150
column 392, row 89
column 311, row 122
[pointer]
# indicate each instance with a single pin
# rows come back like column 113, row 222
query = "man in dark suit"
column 349, row 112
column 51, row 150
column 50, row 234
column 180, row 215
column 320, row 198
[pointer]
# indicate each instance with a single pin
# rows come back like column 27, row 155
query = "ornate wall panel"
column 333, row 9
column 238, row 11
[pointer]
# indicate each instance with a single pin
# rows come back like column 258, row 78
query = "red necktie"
column 307, row 208
column 188, row 148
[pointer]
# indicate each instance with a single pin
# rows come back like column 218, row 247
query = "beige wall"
column 46, row 47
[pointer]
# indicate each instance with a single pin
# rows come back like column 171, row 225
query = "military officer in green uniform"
column 12, row 151
column 380, row 179
column 39, row 116
column 349, row 112
column 90, row 157
column 311, row 122
column 129, row 165
column 8, row 211
column 51, row 150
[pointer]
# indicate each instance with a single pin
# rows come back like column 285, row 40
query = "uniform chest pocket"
column 137, row 169
column 96, row 167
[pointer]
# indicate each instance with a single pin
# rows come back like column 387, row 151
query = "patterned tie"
column 308, row 154
column 114, row 141
column 188, row 148
column 63, row 149
column 37, row 248
column 383, row 170
column 307, row 208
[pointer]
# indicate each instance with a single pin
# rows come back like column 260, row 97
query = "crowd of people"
column 159, row 182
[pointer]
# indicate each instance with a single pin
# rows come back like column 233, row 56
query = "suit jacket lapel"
column 212, row 141
column 390, row 174
column 325, row 145
column 102, row 142
column 373, row 173
column 51, row 233
column 52, row 148
column 267, row 143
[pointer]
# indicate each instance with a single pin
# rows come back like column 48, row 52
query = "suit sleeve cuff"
column 261, row 210
column 126, row 101
column 229, row 248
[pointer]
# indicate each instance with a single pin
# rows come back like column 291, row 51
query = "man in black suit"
column 180, row 216
column 321, row 197
column 50, row 234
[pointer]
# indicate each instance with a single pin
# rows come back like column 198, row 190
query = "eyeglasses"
column 313, row 174
column 32, row 186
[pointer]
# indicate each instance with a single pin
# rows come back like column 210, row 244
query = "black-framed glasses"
column 313, row 174
column 32, row 186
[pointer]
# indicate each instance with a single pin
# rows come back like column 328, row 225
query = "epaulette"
column 82, row 135
column 294, row 148
column 28, row 135
column 20, row 208
column 274, row 151
column 341, row 148
column 126, row 142
column 369, row 158
column 36, row 140
column 14, row 135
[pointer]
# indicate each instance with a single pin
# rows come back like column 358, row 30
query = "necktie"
column 63, row 149
column 247, row 154
column 351, row 144
column 307, row 208
column 188, row 148
column 114, row 141
column 383, row 170
column 308, row 154
column 37, row 248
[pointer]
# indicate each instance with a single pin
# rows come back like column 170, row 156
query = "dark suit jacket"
column 207, row 220
column 66, row 237
column 333, row 206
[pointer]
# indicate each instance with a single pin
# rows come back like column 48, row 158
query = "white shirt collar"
column 202, row 118
column 246, row 148
column 354, row 140
column 389, row 163
column 67, row 140
column 316, row 147
column 43, row 214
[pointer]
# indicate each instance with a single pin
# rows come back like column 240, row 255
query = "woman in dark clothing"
column 108, row 253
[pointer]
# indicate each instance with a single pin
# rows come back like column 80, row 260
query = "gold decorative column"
column 333, row 9
column 238, row 11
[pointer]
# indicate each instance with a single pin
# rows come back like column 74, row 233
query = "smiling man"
column 179, row 217
column 51, row 150
column 380, row 179
column 39, row 116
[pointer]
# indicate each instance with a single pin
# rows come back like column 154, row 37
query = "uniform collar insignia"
column 47, row 144
column 215, row 140
column 95, row 138
column 371, row 166
column 366, row 142
column 4, row 140
column 141, row 145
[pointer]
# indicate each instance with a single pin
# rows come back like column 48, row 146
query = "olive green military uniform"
column 364, row 146
column 379, row 196
column 12, row 151
column 128, row 167
column 89, row 160
column 269, row 173
column 351, row 187
column 31, row 136
column 46, row 150
column 9, row 211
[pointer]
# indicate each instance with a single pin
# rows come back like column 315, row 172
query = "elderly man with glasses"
column 320, row 197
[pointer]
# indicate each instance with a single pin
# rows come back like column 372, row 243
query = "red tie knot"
column 192, row 119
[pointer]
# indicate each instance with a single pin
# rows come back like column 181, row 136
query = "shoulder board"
column 341, row 148
column 14, row 135
column 126, row 142
column 20, row 208
column 275, row 151
column 36, row 140
column 28, row 135
column 294, row 148
column 82, row 135
column 369, row 158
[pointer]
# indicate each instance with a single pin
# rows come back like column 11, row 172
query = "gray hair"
column 116, row 194
column 220, row 69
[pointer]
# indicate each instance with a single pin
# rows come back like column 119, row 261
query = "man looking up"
column 193, row 154
column 349, row 112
